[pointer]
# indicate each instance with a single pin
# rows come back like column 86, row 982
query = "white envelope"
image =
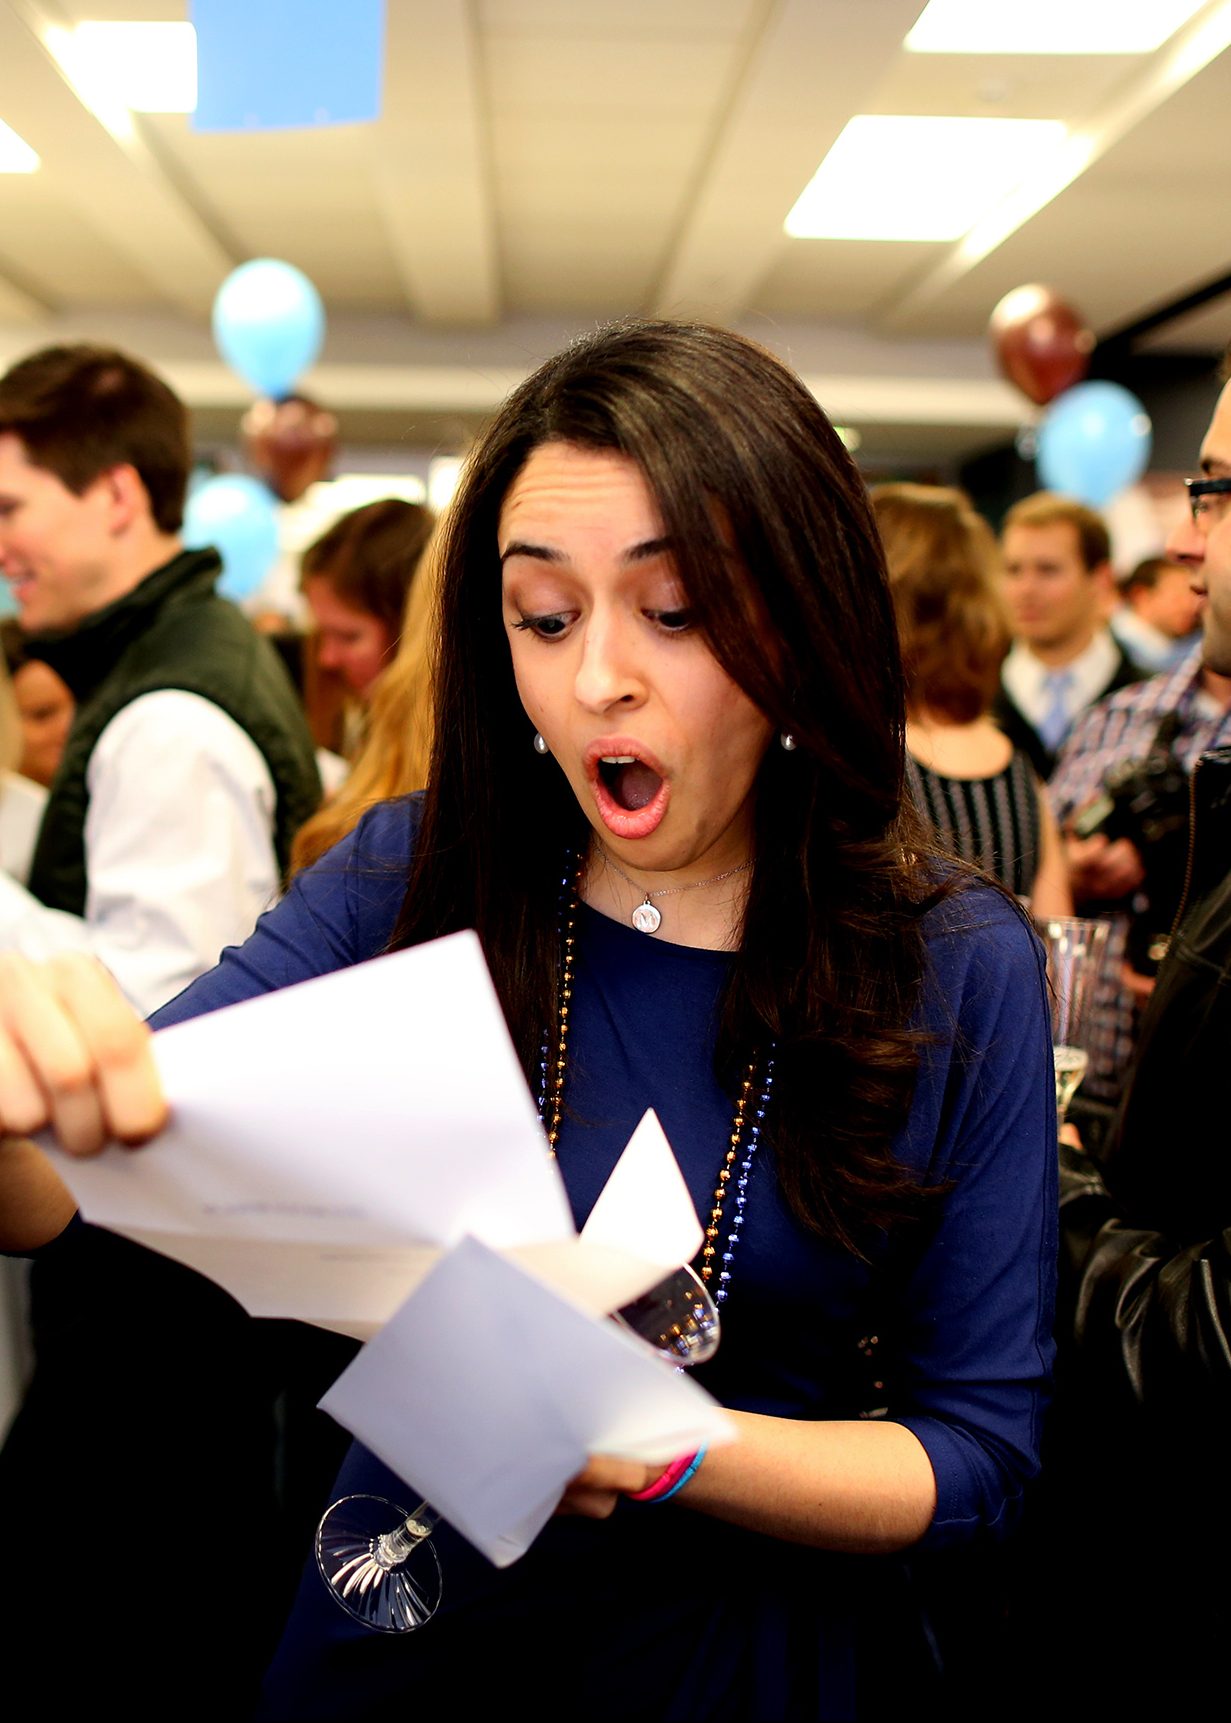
column 488, row 1389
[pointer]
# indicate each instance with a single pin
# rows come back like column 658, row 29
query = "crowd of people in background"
column 159, row 788
column 1034, row 675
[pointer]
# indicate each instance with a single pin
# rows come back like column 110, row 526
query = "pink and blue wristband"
column 673, row 1479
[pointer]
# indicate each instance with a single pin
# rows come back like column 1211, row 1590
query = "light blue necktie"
column 1053, row 727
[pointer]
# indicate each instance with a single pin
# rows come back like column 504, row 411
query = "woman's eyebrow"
column 540, row 552
column 643, row 552
column 648, row 548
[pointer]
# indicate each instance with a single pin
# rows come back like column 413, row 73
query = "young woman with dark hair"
column 666, row 787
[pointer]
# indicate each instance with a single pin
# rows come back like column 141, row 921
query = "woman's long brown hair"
column 780, row 559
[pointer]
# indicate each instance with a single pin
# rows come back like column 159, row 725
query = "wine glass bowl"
column 1075, row 947
column 677, row 1317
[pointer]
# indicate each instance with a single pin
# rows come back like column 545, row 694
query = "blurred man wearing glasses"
column 1120, row 794
column 1144, row 1422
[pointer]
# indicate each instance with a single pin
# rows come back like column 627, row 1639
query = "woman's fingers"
column 74, row 1055
column 23, row 1103
column 588, row 1504
column 129, row 1089
column 604, row 1472
column 45, row 1056
column 595, row 1491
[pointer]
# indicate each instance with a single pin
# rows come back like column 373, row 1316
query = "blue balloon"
column 1093, row 441
column 239, row 517
column 269, row 324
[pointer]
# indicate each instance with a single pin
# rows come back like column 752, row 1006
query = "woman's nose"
column 608, row 674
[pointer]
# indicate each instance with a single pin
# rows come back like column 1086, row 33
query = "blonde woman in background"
column 393, row 758
column 978, row 791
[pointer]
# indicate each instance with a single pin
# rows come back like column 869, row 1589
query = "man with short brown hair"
column 189, row 764
column 1058, row 587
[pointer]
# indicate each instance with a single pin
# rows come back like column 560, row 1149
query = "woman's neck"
column 707, row 914
column 973, row 750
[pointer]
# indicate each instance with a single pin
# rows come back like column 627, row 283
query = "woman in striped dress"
column 975, row 788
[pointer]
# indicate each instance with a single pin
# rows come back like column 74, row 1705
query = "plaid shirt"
column 1116, row 729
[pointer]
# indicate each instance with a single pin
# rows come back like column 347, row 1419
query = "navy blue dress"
column 661, row 1611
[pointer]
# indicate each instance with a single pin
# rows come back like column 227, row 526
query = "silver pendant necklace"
column 751, row 1104
column 645, row 917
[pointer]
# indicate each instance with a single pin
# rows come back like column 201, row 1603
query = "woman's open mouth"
column 628, row 781
column 630, row 788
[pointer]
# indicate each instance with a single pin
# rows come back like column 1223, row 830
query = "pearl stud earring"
column 540, row 744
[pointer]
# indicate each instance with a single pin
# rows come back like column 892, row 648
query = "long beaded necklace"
column 751, row 1105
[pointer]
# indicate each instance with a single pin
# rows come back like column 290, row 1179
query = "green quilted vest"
column 171, row 631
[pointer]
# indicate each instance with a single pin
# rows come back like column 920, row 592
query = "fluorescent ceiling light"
column 924, row 177
column 147, row 68
column 16, row 156
column 1048, row 26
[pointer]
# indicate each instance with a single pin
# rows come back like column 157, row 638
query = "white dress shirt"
column 179, row 850
column 1026, row 677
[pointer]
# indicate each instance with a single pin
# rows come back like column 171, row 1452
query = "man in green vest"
column 189, row 765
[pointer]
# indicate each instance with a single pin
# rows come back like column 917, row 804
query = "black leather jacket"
column 1146, row 1234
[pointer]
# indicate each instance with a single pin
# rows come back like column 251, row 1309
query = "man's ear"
column 123, row 496
column 1105, row 581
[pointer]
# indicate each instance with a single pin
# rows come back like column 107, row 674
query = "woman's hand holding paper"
column 74, row 1056
column 594, row 1492
column 74, row 1059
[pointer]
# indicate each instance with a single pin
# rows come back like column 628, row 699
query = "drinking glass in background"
column 1075, row 950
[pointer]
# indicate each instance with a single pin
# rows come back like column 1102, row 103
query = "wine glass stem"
column 396, row 1546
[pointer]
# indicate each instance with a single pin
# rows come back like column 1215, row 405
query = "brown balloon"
column 290, row 443
column 1040, row 342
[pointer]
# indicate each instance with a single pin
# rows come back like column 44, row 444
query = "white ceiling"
column 543, row 164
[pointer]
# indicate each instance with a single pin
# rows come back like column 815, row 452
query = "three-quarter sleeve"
column 978, row 1307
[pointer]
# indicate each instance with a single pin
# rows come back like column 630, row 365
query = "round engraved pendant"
column 646, row 918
